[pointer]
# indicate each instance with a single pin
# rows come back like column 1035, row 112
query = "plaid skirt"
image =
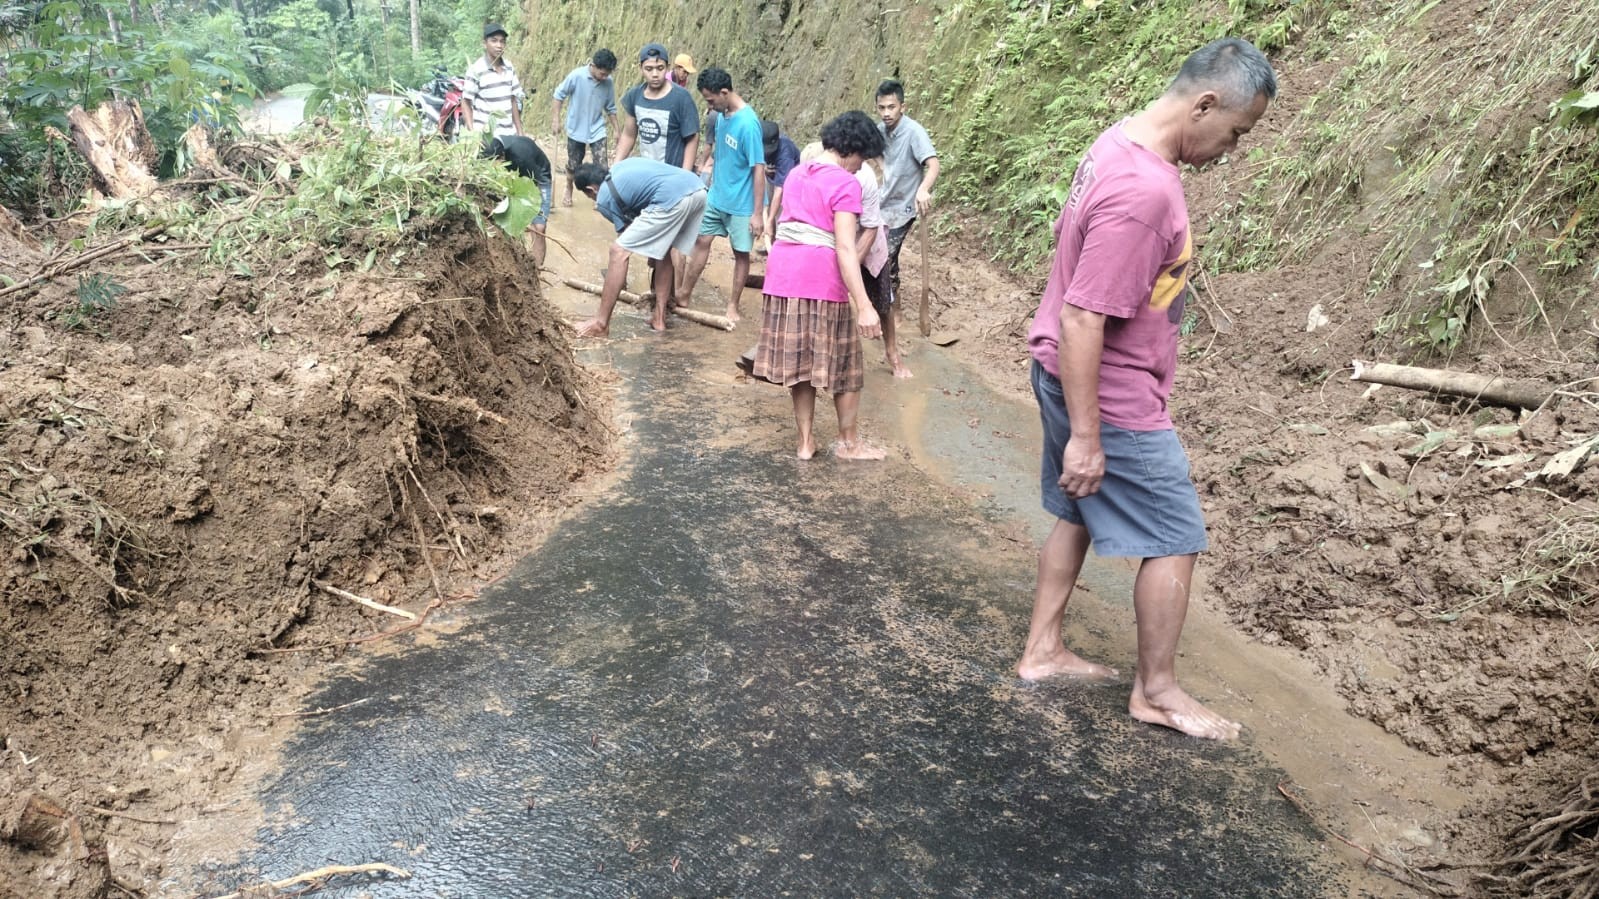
column 811, row 341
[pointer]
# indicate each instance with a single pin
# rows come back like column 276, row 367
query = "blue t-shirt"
column 738, row 151
column 787, row 157
column 590, row 102
column 636, row 183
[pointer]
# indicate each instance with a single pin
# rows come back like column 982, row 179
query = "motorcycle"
column 439, row 104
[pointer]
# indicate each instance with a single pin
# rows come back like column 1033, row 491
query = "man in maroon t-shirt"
column 1104, row 347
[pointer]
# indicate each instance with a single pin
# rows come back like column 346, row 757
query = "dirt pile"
column 185, row 462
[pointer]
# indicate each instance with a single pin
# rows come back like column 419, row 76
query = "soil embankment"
column 191, row 480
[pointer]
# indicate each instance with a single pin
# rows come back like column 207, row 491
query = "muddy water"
column 733, row 673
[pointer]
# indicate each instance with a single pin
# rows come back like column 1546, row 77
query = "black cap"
column 494, row 28
column 769, row 133
column 654, row 51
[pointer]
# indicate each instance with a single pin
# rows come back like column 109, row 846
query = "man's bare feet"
column 566, row 200
column 593, row 328
column 732, row 313
column 1062, row 664
column 658, row 324
column 859, row 451
column 1177, row 710
column 806, row 451
column 898, row 364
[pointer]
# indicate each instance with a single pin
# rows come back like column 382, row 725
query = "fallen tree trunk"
column 115, row 142
column 1482, row 388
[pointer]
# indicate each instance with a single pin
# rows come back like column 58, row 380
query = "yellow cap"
column 686, row 61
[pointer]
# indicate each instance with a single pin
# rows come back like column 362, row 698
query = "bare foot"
column 806, row 450
column 732, row 313
column 859, row 451
column 566, row 201
column 1177, row 710
column 658, row 324
column 593, row 328
column 1063, row 664
column 900, row 371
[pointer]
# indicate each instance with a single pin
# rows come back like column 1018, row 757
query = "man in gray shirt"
column 593, row 97
column 910, row 166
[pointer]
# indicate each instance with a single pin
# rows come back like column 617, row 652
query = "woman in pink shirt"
column 816, row 309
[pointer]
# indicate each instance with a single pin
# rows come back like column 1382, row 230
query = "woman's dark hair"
column 853, row 132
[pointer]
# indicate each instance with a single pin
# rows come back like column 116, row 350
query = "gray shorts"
column 661, row 228
column 1146, row 506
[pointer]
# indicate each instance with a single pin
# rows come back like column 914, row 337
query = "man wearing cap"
column 593, row 97
column 493, row 93
column 656, row 209
column 682, row 68
column 660, row 117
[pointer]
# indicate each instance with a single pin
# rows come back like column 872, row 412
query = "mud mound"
column 181, row 468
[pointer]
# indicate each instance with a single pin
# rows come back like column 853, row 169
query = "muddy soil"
column 193, row 481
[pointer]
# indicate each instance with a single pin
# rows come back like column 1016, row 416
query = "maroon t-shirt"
column 1122, row 249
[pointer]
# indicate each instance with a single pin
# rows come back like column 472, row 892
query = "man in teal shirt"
column 738, row 185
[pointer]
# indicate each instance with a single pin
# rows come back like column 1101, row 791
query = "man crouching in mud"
column 1104, row 347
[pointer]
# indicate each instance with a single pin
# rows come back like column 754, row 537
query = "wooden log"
column 626, row 296
column 710, row 320
column 1482, row 388
column 117, row 146
column 647, row 299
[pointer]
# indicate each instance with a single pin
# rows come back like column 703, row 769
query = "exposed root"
column 1556, row 855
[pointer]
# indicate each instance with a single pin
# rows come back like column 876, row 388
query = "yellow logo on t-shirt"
column 1170, row 283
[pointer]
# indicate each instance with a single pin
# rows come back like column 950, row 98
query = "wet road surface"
column 735, row 674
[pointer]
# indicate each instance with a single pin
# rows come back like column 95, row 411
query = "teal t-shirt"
column 738, row 151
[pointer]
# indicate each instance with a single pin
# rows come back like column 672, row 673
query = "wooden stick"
column 381, row 635
column 314, row 712
column 112, row 813
column 312, row 877
column 626, row 296
column 926, row 322
column 369, row 603
column 647, row 298
column 1483, row 388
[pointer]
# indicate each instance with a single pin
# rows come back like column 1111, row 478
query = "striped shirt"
column 492, row 93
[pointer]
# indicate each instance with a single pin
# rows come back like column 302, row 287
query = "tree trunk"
column 133, row 13
column 117, row 146
column 416, row 29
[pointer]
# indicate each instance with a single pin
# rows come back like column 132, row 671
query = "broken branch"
column 320, row 874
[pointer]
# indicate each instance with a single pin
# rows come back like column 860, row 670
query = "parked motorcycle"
column 439, row 104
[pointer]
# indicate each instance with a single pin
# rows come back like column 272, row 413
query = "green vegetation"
column 187, row 62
